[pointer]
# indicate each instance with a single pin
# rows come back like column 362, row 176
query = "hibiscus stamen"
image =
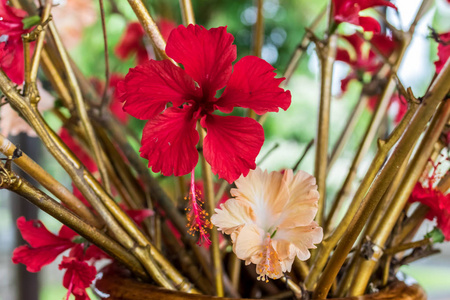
column 69, row 290
column 196, row 215
column 269, row 266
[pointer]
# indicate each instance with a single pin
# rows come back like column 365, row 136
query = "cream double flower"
column 271, row 220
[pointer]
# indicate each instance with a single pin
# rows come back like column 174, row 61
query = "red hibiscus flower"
column 169, row 139
column 364, row 60
column 443, row 51
column 11, row 51
column 133, row 40
column 11, row 20
column 44, row 246
column 438, row 203
column 348, row 11
column 79, row 274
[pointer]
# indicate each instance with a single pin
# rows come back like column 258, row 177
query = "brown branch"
column 49, row 182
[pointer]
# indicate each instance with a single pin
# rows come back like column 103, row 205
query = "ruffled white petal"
column 302, row 238
column 232, row 215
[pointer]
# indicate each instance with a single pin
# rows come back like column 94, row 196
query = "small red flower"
column 443, row 51
column 364, row 60
column 438, row 203
column 169, row 139
column 133, row 40
column 44, row 246
column 11, row 20
column 11, row 50
column 79, row 274
column 348, row 11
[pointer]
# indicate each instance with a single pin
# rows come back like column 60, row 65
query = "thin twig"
column 187, row 12
column 105, row 42
column 274, row 147
column 210, row 205
column 378, row 187
column 299, row 161
column 49, row 182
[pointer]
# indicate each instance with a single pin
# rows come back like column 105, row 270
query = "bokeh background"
column 285, row 22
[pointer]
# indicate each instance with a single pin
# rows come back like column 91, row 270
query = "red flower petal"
column 206, row 55
column 364, row 4
column 348, row 11
column 443, row 52
column 253, row 85
column 11, row 20
column 169, row 140
column 385, row 44
column 369, row 24
column 438, row 203
column 149, row 87
column 342, row 55
column 73, row 145
column 45, row 246
column 79, row 274
column 132, row 42
column 67, row 233
column 231, row 145
column 94, row 253
column 12, row 59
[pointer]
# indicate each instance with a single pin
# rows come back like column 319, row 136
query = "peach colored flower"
column 72, row 17
column 270, row 220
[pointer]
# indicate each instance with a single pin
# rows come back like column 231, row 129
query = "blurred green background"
column 284, row 23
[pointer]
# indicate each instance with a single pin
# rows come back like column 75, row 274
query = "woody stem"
column 210, row 205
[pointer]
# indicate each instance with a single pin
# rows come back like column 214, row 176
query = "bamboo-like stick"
column 367, row 140
column 327, row 56
column 56, row 80
column 298, row 294
column 412, row 222
column 407, row 246
column 94, row 192
column 235, row 270
column 302, row 268
column 258, row 30
column 258, row 40
column 40, row 41
column 150, row 27
column 348, row 130
column 356, row 259
column 187, row 12
column 49, row 182
column 301, row 48
column 210, row 205
column 60, row 213
column 426, row 109
column 330, row 242
column 391, row 214
column 81, row 108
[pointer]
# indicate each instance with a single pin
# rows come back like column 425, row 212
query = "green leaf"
column 435, row 235
column 31, row 21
